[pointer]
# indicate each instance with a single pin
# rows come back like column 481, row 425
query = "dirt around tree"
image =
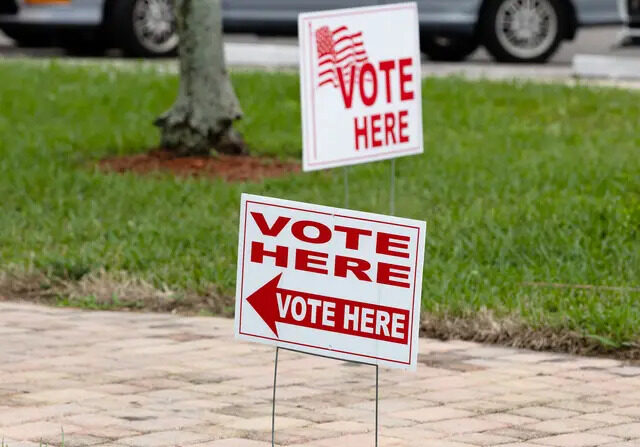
column 232, row 168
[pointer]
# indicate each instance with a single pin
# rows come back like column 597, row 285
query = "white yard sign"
column 329, row 281
column 360, row 85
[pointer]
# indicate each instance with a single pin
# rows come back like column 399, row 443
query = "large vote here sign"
column 329, row 281
column 360, row 85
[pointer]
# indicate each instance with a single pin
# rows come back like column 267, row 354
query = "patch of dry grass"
column 484, row 327
column 119, row 291
column 109, row 291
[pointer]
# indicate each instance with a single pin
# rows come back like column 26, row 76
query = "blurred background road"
column 597, row 40
column 246, row 49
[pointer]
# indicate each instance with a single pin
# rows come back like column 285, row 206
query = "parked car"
column 511, row 30
column 630, row 11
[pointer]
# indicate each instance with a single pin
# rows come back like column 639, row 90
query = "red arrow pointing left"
column 264, row 302
column 361, row 319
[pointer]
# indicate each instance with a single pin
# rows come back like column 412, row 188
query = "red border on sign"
column 367, row 157
column 405, row 151
column 413, row 299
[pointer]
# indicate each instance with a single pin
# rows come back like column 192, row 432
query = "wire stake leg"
column 273, row 407
column 346, row 186
column 392, row 189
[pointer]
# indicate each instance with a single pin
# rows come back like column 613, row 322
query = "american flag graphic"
column 339, row 49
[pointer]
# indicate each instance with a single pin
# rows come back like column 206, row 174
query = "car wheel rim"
column 154, row 25
column 526, row 28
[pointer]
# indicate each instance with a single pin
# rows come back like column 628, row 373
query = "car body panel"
column 597, row 12
column 282, row 10
column 443, row 13
column 281, row 15
column 452, row 14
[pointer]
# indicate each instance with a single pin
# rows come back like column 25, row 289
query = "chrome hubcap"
column 155, row 25
column 526, row 28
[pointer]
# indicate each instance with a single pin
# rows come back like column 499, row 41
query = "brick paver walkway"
column 125, row 379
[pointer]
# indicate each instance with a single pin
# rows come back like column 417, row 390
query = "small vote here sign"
column 360, row 85
column 329, row 281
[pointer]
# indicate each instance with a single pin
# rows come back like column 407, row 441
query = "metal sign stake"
column 346, row 186
column 273, row 407
column 275, row 375
column 392, row 188
column 376, row 405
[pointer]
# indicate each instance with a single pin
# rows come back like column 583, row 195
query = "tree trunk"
column 201, row 119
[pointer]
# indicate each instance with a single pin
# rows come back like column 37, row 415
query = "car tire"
column 83, row 42
column 29, row 38
column 448, row 48
column 84, row 49
column 144, row 28
column 523, row 31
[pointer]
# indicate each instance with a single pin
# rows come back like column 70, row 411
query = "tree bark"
column 201, row 119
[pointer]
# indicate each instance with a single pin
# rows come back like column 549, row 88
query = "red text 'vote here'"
column 391, row 268
column 277, row 305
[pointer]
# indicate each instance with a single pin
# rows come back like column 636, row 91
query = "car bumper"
column 54, row 15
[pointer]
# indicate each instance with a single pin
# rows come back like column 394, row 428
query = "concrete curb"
column 606, row 67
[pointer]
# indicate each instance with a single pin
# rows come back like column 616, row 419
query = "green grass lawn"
column 518, row 183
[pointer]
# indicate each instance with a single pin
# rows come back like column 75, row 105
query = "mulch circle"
column 232, row 168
